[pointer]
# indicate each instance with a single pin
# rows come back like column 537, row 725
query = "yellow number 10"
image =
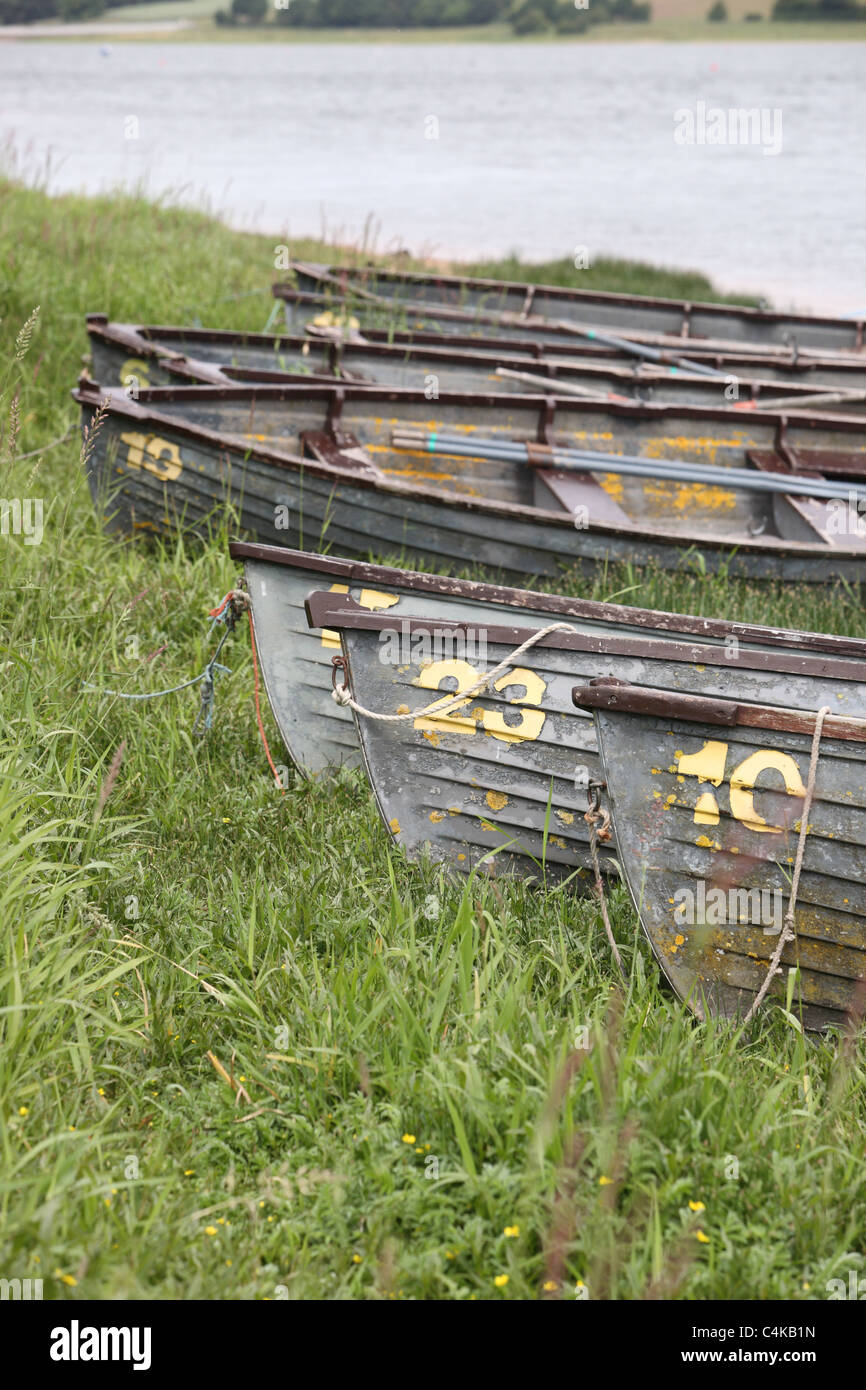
column 708, row 765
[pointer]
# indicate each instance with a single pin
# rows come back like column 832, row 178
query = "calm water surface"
column 467, row 150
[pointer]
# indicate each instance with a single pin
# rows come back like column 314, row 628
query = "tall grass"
column 246, row 1047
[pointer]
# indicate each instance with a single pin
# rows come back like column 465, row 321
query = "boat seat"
column 340, row 448
column 575, row 491
column 811, row 518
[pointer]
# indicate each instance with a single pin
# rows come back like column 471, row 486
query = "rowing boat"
column 124, row 354
column 511, row 772
column 296, row 660
column 320, row 465
column 709, row 797
column 503, row 777
column 452, row 301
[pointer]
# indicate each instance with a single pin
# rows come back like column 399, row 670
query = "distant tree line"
column 28, row 11
column 844, row 10
column 525, row 16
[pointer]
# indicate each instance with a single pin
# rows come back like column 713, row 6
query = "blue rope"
column 228, row 616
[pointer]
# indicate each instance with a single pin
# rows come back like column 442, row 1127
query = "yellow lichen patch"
column 496, row 800
column 437, row 816
column 691, row 497
column 613, row 485
column 567, row 817
column 558, row 841
column 432, row 737
column 394, row 825
column 453, row 810
column 402, row 709
column 704, row 842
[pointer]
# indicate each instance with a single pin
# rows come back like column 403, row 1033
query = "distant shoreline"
column 657, row 31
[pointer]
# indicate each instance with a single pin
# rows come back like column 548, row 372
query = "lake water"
column 476, row 150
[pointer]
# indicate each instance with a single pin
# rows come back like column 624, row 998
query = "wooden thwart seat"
column 578, row 493
column 805, row 518
column 340, row 448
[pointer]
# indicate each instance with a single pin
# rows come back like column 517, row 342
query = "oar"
column 631, row 465
column 558, row 386
column 823, row 398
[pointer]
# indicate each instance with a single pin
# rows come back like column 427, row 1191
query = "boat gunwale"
column 625, row 697
column 363, row 572
column 328, row 610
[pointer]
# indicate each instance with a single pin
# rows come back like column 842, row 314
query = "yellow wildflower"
column 501, row 1280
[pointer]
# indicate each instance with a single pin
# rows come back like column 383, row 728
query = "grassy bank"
column 405, row 1043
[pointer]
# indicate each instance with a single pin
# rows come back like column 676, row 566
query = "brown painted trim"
column 591, row 609
column 634, row 699
column 337, row 611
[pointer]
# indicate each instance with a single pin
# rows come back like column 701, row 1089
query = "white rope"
column 342, row 695
column 788, row 932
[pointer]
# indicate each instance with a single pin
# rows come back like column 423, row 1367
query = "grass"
column 247, row 1049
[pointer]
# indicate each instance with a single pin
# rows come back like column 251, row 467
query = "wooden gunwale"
column 334, row 611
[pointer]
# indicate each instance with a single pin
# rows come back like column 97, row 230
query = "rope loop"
column 342, row 694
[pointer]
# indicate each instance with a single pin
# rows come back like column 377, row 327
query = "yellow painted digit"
column 531, row 721
column 158, row 456
column 164, row 461
column 431, row 678
column 708, row 765
column 743, row 780
column 136, row 443
column 138, row 370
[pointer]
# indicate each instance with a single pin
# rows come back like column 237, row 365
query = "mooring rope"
column 342, row 695
column 227, row 613
column 788, row 932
